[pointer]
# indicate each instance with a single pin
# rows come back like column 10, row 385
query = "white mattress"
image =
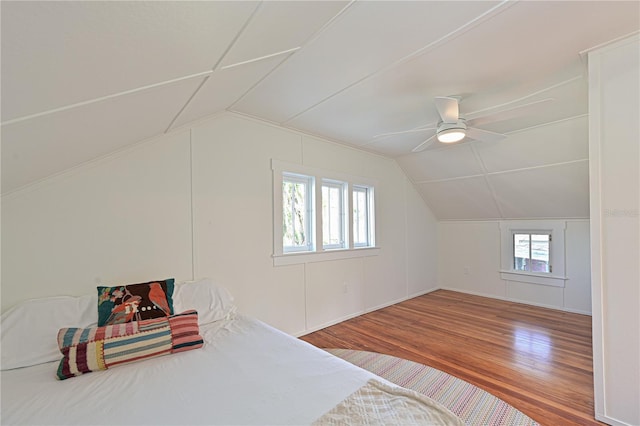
column 247, row 373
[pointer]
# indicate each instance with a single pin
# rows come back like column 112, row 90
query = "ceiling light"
column 451, row 132
column 451, row 135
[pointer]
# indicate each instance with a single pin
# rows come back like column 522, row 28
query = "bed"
column 245, row 373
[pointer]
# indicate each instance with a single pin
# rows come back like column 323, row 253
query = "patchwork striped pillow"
column 98, row 348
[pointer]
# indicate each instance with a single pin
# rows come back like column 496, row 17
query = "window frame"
column 555, row 229
column 369, row 202
column 343, row 222
column 318, row 252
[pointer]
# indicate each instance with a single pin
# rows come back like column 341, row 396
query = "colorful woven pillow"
column 135, row 302
column 97, row 348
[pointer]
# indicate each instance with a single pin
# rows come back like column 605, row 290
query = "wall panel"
column 614, row 107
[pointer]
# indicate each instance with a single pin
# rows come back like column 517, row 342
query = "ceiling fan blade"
column 494, row 114
column 448, row 109
column 424, row 145
column 421, row 129
column 484, row 135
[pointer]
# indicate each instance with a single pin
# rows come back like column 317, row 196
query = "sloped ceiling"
column 82, row 79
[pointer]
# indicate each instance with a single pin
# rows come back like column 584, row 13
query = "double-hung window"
column 321, row 215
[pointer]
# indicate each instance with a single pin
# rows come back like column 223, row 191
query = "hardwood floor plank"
column 539, row 360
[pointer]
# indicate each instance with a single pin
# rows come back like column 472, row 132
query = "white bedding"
column 378, row 404
column 246, row 373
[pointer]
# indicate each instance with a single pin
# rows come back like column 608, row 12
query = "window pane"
column 539, row 253
column 531, row 252
column 360, row 217
column 295, row 216
column 521, row 252
column 332, row 214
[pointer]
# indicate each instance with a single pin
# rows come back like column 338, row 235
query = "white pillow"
column 213, row 302
column 30, row 329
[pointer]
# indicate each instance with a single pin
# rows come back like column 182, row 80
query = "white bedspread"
column 247, row 373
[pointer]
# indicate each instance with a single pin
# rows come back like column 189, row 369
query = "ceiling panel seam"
column 549, row 123
column 544, row 166
column 420, row 182
column 501, row 7
column 261, row 58
column 470, row 115
column 522, row 169
column 329, row 23
column 193, row 95
column 237, row 36
column 107, row 97
column 256, row 84
column 492, row 191
column 215, row 66
column 305, row 43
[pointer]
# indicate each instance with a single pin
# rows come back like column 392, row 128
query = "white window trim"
column 556, row 229
column 320, row 254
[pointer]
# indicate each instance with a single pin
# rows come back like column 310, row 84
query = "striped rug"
column 472, row 404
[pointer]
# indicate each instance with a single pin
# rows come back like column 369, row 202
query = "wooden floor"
column 538, row 360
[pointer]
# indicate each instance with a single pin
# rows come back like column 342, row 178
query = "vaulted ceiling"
column 82, row 79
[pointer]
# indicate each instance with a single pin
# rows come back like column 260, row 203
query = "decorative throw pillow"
column 213, row 302
column 97, row 348
column 28, row 330
column 135, row 302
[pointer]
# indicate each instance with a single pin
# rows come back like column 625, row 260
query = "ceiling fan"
column 453, row 127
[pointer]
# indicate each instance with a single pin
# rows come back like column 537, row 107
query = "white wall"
column 469, row 259
column 123, row 218
column 198, row 202
column 614, row 104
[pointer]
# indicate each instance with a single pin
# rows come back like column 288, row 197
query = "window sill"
column 323, row 256
column 533, row 278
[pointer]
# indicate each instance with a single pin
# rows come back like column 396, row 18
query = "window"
column 532, row 251
column 333, row 223
column 320, row 215
column 362, row 211
column 296, row 212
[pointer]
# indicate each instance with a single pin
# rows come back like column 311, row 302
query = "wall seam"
column 193, row 234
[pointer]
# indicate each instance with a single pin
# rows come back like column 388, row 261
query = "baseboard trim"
column 329, row 323
column 611, row 421
column 411, row 296
column 365, row 311
column 510, row 299
column 422, row 293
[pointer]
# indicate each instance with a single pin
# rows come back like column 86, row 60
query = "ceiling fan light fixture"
column 451, row 135
column 452, row 132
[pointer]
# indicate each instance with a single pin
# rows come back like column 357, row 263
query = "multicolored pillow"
column 97, row 348
column 135, row 302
